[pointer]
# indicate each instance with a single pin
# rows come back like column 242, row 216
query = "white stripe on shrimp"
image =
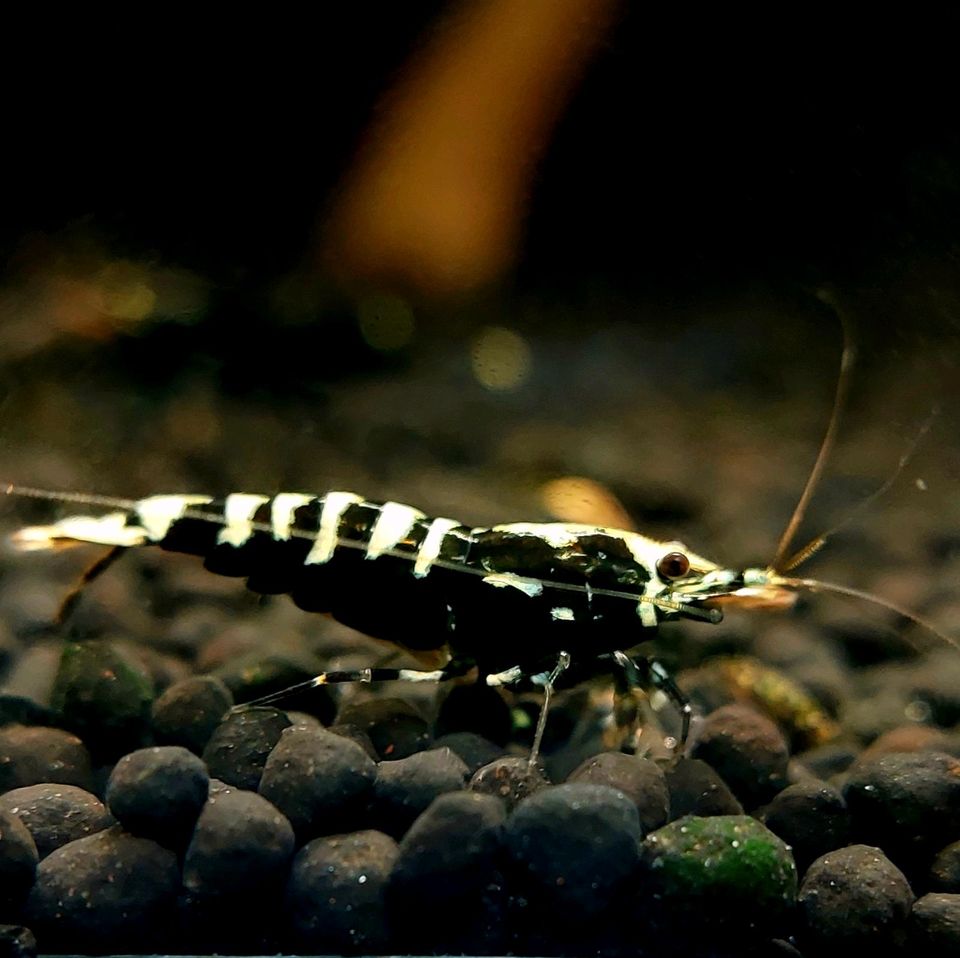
column 282, row 510
column 158, row 513
column 431, row 545
column 238, row 513
column 335, row 504
column 393, row 524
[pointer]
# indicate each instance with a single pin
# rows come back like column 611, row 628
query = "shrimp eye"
column 673, row 565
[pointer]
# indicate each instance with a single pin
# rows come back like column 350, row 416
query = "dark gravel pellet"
column 238, row 748
column 573, row 850
column 32, row 676
column 510, row 779
column 780, row 694
column 241, row 845
column 907, row 804
column 696, row 789
column 640, row 780
column 189, row 711
column 163, row 670
column 304, row 720
column 320, row 781
column 28, row 604
column 18, row 710
column 18, row 863
column 405, row 788
column 935, row 926
column 158, row 793
column 906, row 738
column 828, row 760
column 811, row 817
column 335, row 894
column 474, row 749
column 853, row 897
column 396, row 729
column 57, row 814
column 945, row 870
column 353, row 734
column 237, row 915
column 447, row 859
column 17, row 942
column 724, row 876
column 229, row 643
column 747, row 749
column 798, row 773
column 10, row 647
column 29, row 756
column 104, row 695
column 107, row 892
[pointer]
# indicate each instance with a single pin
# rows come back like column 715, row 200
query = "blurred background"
column 504, row 261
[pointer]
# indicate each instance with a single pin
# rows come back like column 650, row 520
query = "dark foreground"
column 145, row 823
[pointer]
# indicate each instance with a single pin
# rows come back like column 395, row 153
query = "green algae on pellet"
column 104, row 696
column 726, row 872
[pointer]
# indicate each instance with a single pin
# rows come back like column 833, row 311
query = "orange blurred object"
column 436, row 199
column 579, row 499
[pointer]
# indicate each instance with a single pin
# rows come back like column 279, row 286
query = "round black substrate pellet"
column 107, row 892
column 811, row 817
column 696, row 789
column 934, row 927
column 18, row 863
column 406, row 787
column 56, row 814
column 189, row 711
column 241, row 846
column 448, row 858
column 907, row 804
column 573, row 849
column 158, row 793
column 33, row 754
column 335, row 895
column 238, row 748
column 511, row 779
column 322, row 782
column 747, row 749
column 854, row 897
column 642, row 781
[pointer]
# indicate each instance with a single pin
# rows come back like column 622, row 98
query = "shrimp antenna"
column 816, row 585
column 818, row 542
column 79, row 498
column 847, row 360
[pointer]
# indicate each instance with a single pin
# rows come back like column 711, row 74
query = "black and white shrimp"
column 513, row 601
column 520, row 602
